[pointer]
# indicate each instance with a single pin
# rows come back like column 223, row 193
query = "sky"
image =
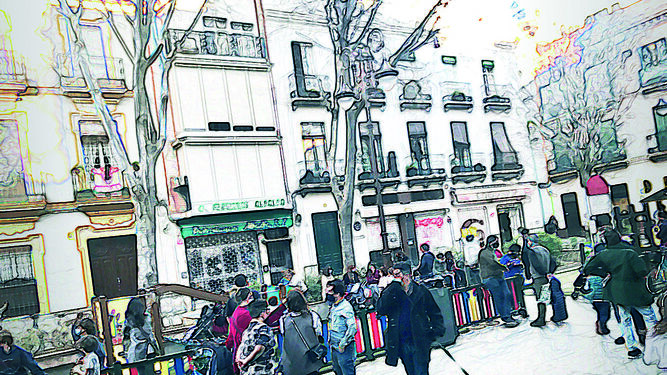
column 462, row 23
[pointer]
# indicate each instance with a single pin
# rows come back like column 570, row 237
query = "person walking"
column 426, row 263
column 256, row 352
column 15, row 360
column 539, row 265
column 625, row 286
column 300, row 329
column 655, row 350
column 491, row 272
column 414, row 321
column 342, row 329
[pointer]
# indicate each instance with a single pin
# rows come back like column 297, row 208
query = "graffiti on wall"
column 433, row 229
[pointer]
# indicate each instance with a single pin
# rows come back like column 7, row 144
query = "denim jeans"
column 501, row 296
column 343, row 363
column 415, row 361
column 603, row 309
column 626, row 322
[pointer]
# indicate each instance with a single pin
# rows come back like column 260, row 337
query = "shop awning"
column 660, row 195
column 237, row 222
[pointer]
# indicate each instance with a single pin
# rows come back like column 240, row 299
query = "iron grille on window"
column 18, row 286
column 213, row 261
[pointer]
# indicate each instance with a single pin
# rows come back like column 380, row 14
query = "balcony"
column 310, row 93
column 218, row 44
column 467, row 167
column 14, row 190
column 314, row 173
column 414, row 96
column 109, row 73
column 496, row 98
column 658, row 152
column 456, row 98
column 430, row 169
column 387, row 176
column 103, row 182
column 506, row 166
column 13, row 79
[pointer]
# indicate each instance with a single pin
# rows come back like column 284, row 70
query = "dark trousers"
column 415, row 360
column 603, row 309
column 501, row 296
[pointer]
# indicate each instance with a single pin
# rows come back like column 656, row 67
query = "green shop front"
column 221, row 246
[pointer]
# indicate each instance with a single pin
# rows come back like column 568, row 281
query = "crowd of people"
column 612, row 279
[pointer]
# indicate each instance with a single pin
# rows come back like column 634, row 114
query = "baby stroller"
column 212, row 357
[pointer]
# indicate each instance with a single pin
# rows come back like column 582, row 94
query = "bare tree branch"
column 369, row 22
column 410, row 43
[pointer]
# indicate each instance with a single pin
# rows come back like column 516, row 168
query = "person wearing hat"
column 491, row 272
column 539, row 265
column 255, row 354
column 414, row 321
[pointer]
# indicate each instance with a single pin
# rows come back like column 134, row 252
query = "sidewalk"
column 572, row 348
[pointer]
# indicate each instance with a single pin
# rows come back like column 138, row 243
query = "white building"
column 629, row 78
column 454, row 156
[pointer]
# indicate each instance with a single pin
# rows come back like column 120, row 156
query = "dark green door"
column 327, row 241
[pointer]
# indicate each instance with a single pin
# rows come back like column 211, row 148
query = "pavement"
column 571, row 347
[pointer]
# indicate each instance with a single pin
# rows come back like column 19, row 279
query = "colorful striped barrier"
column 172, row 364
column 472, row 305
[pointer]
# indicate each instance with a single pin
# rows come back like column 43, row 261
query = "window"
column 461, row 145
column 217, row 22
column 370, row 131
column 418, row 149
column 504, row 155
column 487, row 76
column 303, row 81
column 611, row 151
column 448, row 60
column 619, row 196
column 572, row 216
column 18, row 286
column 660, row 121
column 11, row 167
column 102, row 172
column 653, row 60
column 313, row 139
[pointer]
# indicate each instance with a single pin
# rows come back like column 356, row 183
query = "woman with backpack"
column 301, row 329
column 138, row 340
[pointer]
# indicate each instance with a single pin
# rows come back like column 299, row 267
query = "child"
column 655, row 350
column 91, row 362
column 256, row 354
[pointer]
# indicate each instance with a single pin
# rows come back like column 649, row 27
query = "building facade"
column 616, row 63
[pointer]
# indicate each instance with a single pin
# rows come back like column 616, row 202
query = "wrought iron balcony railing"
column 457, row 96
column 218, row 43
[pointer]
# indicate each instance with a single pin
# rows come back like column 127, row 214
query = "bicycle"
column 656, row 280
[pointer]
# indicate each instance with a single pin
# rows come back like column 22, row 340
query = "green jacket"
column 627, row 286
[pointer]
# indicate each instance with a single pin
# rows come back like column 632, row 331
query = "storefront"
column 219, row 247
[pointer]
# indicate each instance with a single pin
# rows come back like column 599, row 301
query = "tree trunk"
column 150, row 146
column 345, row 199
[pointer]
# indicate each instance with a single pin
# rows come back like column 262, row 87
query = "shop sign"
column 209, row 229
column 247, row 204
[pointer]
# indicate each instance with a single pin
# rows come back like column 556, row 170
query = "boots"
column 541, row 315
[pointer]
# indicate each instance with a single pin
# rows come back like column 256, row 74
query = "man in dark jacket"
column 662, row 228
column 626, row 285
column 15, row 360
column 491, row 272
column 538, row 264
column 414, row 321
column 426, row 263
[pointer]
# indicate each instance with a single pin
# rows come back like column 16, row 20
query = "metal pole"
column 376, row 180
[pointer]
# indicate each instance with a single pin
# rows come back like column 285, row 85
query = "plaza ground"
column 571, row 348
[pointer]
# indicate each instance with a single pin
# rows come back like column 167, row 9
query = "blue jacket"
column 514, row 266
column 18, row 362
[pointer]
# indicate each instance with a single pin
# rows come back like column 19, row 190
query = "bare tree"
column 148, row 48
column 581, row 99
column 359, row 63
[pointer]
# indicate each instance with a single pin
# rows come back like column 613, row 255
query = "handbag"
column 314, row 354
